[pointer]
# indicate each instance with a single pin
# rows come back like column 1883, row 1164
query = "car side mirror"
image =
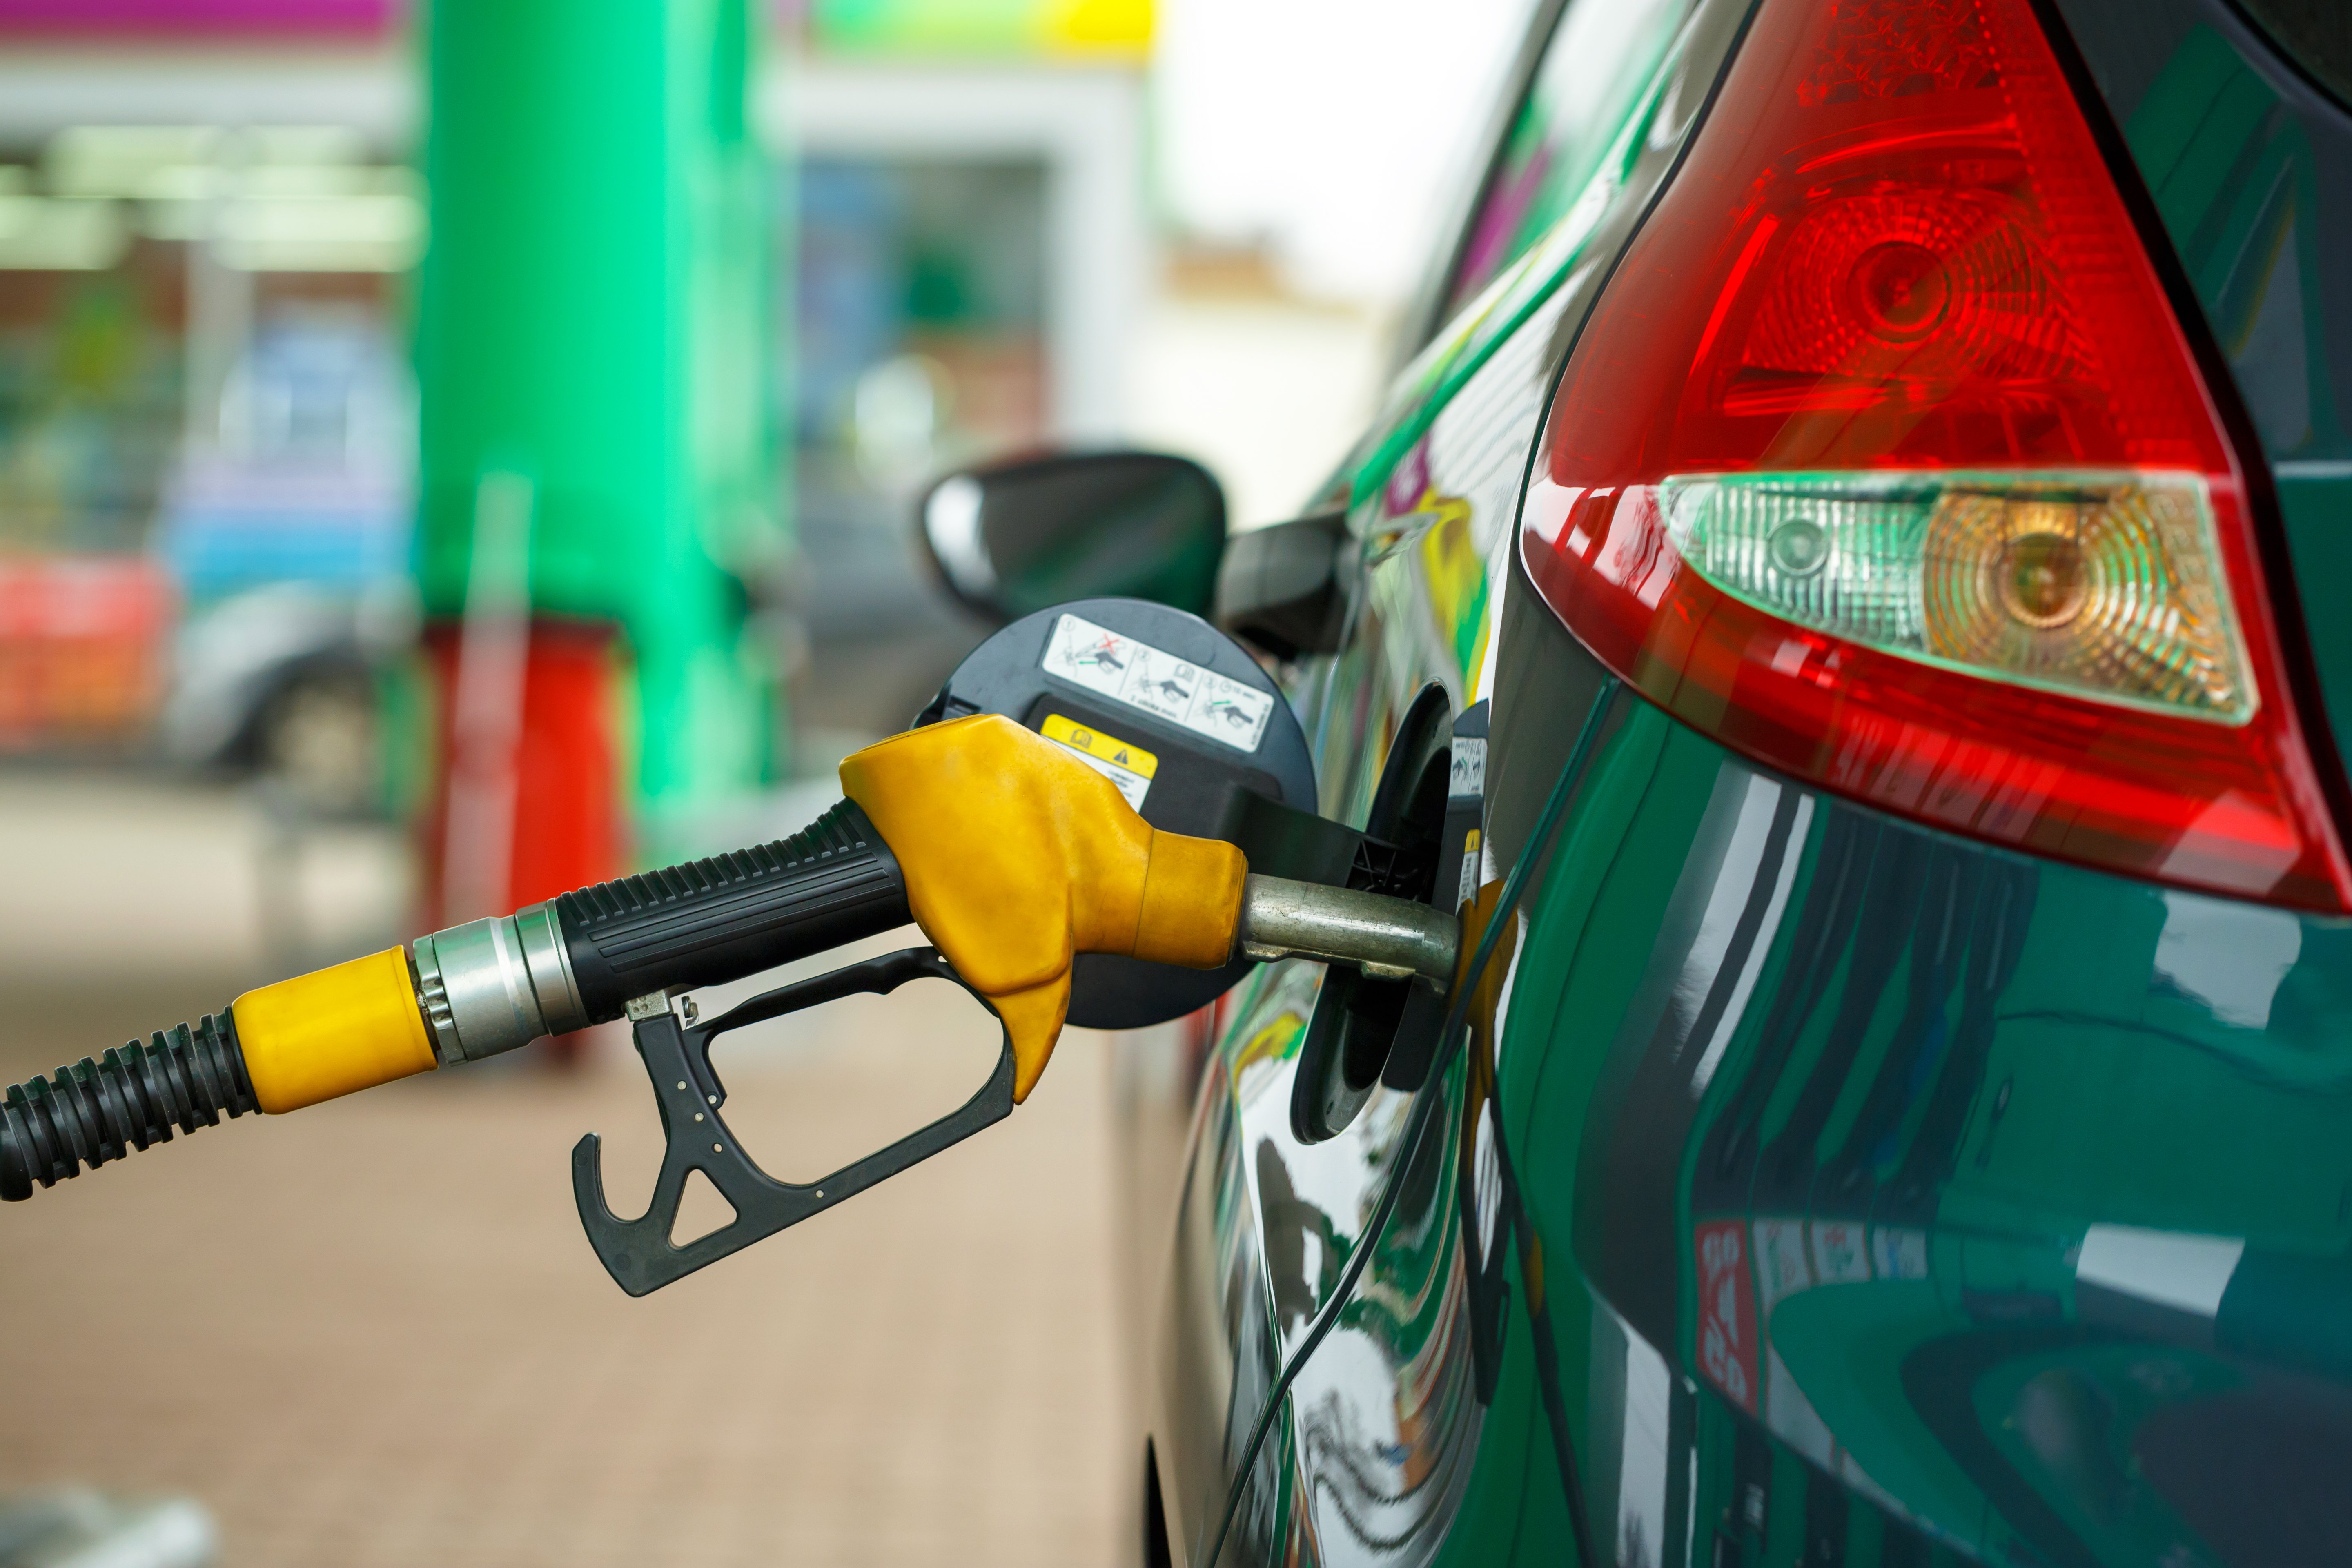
column 1013, row 538
column 1284, row 588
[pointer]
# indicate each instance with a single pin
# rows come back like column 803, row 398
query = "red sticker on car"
column 1727, row 1310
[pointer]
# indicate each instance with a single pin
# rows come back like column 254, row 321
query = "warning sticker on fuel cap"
column 1158, row 682
column 1126, row 764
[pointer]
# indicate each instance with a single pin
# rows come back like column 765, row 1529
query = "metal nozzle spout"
column 1387, row 938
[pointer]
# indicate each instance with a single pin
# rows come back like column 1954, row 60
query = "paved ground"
column 372, row 1333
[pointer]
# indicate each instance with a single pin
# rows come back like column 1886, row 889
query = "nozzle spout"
column 1387, row 938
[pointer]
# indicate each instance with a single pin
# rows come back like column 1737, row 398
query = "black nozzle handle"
column 708, row 921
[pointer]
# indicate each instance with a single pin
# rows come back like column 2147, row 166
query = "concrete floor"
column 372, row 1334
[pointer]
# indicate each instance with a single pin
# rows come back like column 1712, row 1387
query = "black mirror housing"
column 1284, row 588
column 1013, row 538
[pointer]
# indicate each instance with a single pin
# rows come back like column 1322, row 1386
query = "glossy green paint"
column 1513, row 1509
column 1259, row 1235
column 2111, row 1094
column 592, row 317
column 1579, row 966
column 2316, row 507
column 2236, row 181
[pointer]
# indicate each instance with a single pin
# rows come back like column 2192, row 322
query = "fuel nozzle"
column 1011, row 855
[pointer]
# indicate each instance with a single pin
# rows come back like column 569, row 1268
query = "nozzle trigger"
column 638, row 1253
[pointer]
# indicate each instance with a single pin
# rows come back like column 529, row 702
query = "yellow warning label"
column 1103, row 748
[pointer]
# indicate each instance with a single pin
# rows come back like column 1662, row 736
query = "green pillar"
column 592, row 316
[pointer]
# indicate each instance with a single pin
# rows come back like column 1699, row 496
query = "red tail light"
column 1884, row 461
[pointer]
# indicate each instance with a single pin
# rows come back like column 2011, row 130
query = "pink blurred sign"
column 185, row 18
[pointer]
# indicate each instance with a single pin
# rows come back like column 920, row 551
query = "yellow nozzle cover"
column 1017, row 856
column 331, row 1031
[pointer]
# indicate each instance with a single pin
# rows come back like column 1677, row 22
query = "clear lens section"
column 2102, row 584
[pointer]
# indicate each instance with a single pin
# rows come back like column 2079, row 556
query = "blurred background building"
column 444, row 460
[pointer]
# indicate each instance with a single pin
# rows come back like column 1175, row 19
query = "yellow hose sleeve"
column 331, row 1031
column 1018, row 856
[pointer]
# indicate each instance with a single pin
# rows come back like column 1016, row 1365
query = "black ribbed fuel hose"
column 97, row 1110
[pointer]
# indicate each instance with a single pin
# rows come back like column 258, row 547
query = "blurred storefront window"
column 966, row 220
column 920, row 329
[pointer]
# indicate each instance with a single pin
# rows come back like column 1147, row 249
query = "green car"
column 1845, row 577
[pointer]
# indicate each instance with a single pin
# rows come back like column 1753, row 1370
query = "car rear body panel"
column 2002, row 1193
column 1884, row 1197
column 2248, row 166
